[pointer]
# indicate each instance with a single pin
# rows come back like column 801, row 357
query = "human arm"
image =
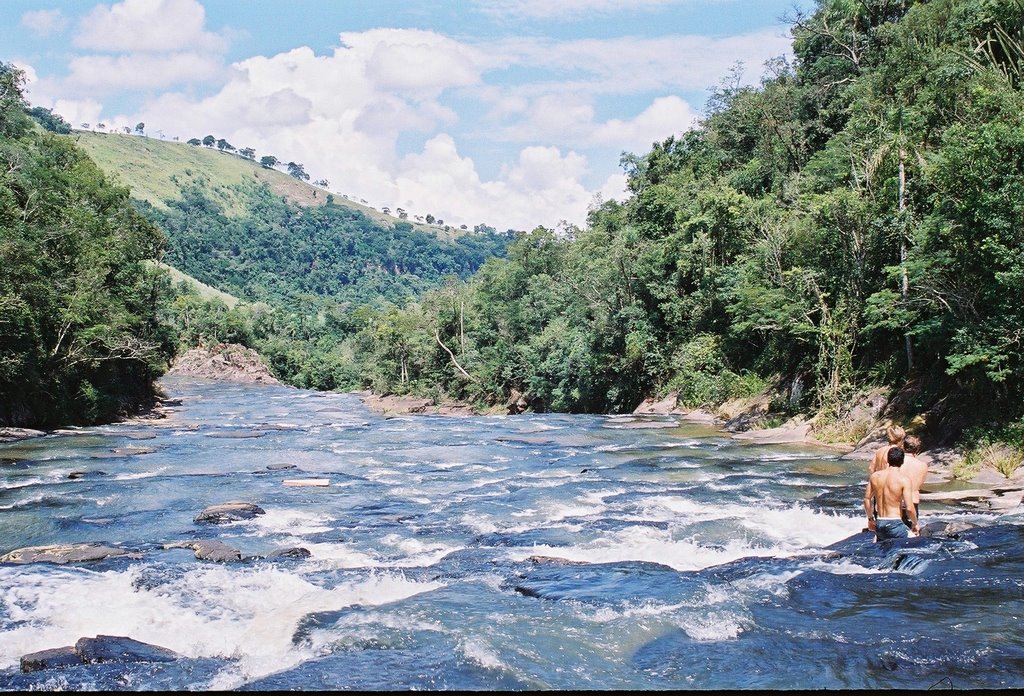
column 908, row 502
column 869, row 505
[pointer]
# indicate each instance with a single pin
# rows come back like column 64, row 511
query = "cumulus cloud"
column 380, row 116
column 127, row 72
column 43, row 23
column 147, row 26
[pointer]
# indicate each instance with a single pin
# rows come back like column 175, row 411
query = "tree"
column 126, row 129
column 195, row 141
column 223, row 145
column 269, row 161
column 322, row 183
column 140, row 127
column 49, row 120
column 430, row 218
column 209, row 140
column 248, row 153
column 295, row 169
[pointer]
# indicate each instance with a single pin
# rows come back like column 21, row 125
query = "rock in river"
column 208, row 550
column 98, row 649
column 64, row 553
column 229, row 512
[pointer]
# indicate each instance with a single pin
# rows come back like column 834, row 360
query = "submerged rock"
column 229, row 512
column 86, row 474
column 65, row 553
column 290, row 552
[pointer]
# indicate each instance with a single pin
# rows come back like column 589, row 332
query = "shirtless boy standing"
column 894, row 434
column 887, row 491
column 914, row 469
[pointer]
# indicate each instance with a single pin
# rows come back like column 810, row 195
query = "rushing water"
column 695, row 561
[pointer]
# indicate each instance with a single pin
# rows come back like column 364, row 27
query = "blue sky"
column 508, row 112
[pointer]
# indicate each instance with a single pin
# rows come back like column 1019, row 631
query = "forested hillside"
column 80, row 337
column 853, row 222
column 309, row 268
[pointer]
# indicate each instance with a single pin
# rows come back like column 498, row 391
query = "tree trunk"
column 904, row 280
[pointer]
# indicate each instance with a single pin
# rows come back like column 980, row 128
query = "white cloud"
column 353, row 116
column 79, row 111
column 147, row 26
column 43, row 23
column 140, row 71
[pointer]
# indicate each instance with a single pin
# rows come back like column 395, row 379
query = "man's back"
column 916, row 470
column 889, row 487
column 878, row 461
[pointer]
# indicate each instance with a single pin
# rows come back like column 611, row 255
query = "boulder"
column 50, row 659
column 663, row 407
column 280, row 467
column 208, row 550
column 64, row 553
column 121, row 649
column 229, row 512
column 517, row 403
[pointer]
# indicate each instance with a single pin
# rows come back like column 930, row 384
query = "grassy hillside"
column 154, row 170
column 204, row 291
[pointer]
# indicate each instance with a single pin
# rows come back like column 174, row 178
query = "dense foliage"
column 853, row 221
column 80, row 341
column 308, row 277
column 277, row 252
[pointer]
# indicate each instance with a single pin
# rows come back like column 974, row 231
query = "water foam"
column 246, row 614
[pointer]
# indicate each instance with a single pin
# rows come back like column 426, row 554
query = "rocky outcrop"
column 101, row 648
column 229, row 512
column 64, row 553
column 664, row 407
column 227, row 362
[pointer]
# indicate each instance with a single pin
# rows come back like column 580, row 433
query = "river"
column 542, row 551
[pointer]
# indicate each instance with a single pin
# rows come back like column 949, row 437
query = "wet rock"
column 86, row 474
column 290, row 552
column 121, row 649
column 280, row 467
column 229, row 512
column 65, row 553
column 208, row 550
column 12, row 434
column 552, row 560
column 306, row 483
column 945, row 529
column 50, row 659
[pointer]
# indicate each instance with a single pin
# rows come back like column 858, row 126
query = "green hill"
column 154, row 169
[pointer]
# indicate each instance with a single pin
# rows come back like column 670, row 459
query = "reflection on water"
column 526, row 552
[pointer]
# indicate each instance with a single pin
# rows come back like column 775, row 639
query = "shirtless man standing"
column 894, row 434
column 886, row 492
column 916, row 470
